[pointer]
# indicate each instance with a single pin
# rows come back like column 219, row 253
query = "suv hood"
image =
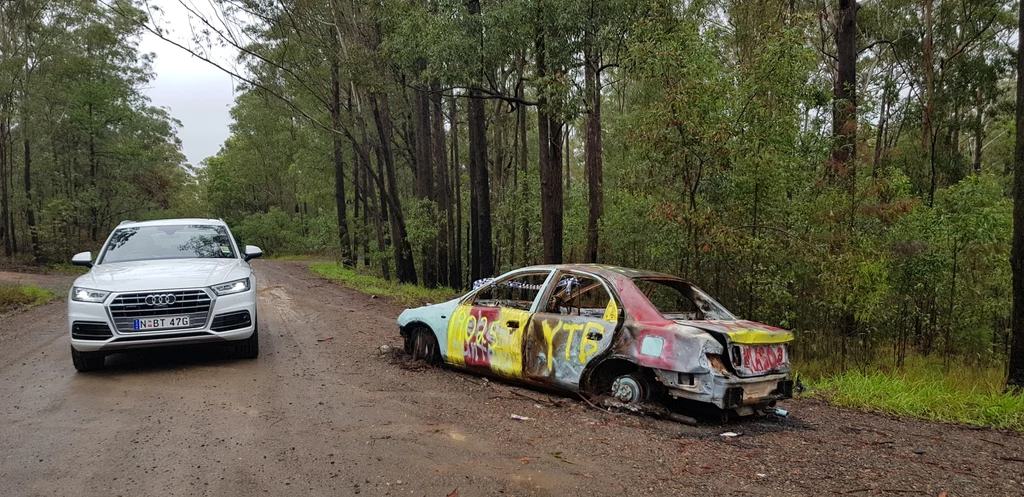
column 162, row 275
column 744, row 332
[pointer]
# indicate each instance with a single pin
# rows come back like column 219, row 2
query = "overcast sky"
column 196, row 93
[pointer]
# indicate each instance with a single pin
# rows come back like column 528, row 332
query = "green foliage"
column 279, row 232
column 23, row 296
column 71, row 81
column 372, row 285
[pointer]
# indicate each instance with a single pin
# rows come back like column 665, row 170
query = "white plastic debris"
column 731, row 434
column 521, row 418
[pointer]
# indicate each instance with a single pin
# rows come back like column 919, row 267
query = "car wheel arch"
column 600, row 373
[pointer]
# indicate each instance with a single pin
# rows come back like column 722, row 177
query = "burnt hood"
column 742, row 331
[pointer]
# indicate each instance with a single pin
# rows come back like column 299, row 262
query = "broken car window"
column 579, row 296
column 517, row 292
column 677, row 299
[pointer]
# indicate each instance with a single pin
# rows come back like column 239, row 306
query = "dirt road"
column 322, row 413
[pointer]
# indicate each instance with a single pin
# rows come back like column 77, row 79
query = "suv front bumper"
column 91, row 317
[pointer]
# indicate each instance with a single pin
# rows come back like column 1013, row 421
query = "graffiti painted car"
column 628, row 335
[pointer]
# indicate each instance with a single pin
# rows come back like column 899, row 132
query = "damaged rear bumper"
column 727, row 392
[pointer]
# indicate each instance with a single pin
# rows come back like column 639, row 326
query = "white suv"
column 168, row 282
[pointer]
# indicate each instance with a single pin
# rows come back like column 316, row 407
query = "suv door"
column 486, row 331
column 576, row 323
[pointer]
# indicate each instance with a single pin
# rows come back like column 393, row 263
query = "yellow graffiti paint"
column 549, row 338
column 752, row 336
column 572, row 328
column 459, row 327
column 507, row 343
column 573, row 353
column 611, row 313
column 588, row 346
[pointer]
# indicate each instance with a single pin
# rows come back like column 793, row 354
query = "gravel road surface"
column 322, row 413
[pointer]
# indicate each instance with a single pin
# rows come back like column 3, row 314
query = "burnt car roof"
column 608, row 271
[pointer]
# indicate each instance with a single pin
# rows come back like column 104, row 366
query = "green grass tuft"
column 23, row 296
column 972, row 396
column 404, row 293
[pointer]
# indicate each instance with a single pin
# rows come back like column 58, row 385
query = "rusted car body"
column 634, row 336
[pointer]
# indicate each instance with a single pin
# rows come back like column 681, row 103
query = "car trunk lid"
column 754, row 349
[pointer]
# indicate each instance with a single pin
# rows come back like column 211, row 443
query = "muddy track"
column 322, row 413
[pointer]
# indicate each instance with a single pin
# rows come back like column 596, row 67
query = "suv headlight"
column 86, row 295
column 230, row 287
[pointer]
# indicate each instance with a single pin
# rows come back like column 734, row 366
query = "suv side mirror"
column 252, row 252
column 82, row 259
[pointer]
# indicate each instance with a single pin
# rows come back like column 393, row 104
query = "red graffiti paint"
column 761, row 358
column 480, row 336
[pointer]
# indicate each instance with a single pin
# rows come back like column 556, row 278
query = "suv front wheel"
column 87, row 361
column 250, row 347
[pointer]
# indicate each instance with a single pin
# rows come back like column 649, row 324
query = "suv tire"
column 87, row 361
column 250, row 347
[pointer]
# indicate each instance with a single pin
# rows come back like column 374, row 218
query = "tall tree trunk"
column 457, row 282
column 383, row 215
column 979, row 132
column 6, row 229
column 524, row 162
column 480, row 191
column 550, row 169
column 381, row 210
column 30, row 214
column 339, row 164
column 358, row 197
column 442, row 195
column 93, row 171
column 567, row 153
column 928, row 61
column 883, row 121
column 1016, row 370
column 405, row 268
column 844, row 122
column 483, row 253
column 928, row 98
column 592, row 144
column 425, row 179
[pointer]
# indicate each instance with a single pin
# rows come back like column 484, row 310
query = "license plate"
column 161, row 323
column 763, row 358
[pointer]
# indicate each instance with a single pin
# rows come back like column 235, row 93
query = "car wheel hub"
column 627, row 389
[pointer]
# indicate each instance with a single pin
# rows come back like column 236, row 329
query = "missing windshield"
column 679, row 300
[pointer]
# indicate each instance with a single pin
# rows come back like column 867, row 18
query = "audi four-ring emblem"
column 160, row 299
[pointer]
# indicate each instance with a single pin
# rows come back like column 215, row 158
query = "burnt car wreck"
column 637, row 337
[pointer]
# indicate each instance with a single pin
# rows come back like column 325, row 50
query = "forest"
column 842, row 169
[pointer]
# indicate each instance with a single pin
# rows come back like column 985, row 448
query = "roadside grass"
column 924, row 388
column 66, row 268
column 23, row 296
column 403, row 292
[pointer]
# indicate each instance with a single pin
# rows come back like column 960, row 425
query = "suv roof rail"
column 126, row 221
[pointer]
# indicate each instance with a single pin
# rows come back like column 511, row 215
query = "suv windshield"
column 677, row 299
column 147, row 243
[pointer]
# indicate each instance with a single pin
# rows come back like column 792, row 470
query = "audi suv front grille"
column 127, row 307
